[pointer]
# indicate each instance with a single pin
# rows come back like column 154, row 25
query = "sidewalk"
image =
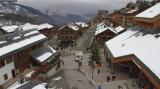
column 101, row 78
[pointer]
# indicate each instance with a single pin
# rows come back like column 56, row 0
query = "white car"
column 79, row 56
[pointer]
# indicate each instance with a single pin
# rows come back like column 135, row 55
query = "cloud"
column 75, row 6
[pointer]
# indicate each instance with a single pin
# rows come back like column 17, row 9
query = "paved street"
column 82, row 79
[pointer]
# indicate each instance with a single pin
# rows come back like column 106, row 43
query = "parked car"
column 79, row 56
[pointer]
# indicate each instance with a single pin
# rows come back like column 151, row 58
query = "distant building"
column 67, row 36
column 124, row 17
column 136, row 50
column 102, row 16
column 117, row 18
column 149, row 19
column 129, row 17
column 80, row 27
column 104, row 33
column 47, row 29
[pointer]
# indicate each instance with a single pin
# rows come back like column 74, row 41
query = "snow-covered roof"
column 132, row 11
column 40, row 86
column 151, row 12
column 19, row 42
column 81, row 24
column 102, row 27
column 43, row 26
column 29, row 85
column 16, row 85
column 9, row 29
column 143, row 45
column 74, row 27
column 119, row 29
column 43, row 54
column 26, row 26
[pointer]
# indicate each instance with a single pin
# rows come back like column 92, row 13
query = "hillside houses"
column 136, row 50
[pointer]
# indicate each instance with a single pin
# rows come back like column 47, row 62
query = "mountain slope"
column 13, row 13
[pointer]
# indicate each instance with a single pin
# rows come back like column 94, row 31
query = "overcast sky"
column 75, row 6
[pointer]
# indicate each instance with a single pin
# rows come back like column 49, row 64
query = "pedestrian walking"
column 113, row 75
column 108, row 78
column 62, row 61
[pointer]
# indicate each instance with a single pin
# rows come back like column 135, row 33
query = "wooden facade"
column 23, row 58
column 105, row 36
column 123, row 19
column 149, row 24
column 49, row 32
column 117, row 18
column 67, row 36
column 129, row 18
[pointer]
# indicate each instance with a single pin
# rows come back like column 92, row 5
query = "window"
column 9, row 59
column 2, row 64
column 5, row 77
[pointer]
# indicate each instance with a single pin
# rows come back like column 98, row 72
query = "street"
column 86, row 78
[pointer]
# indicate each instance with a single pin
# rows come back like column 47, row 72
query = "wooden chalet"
column 117, row 18
column 149, row 19
column 129, row 17
column 16, row 49
column 67, row 36
column 104, row 33
column 47, row 29
column 82, row 27
column 129, row 51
